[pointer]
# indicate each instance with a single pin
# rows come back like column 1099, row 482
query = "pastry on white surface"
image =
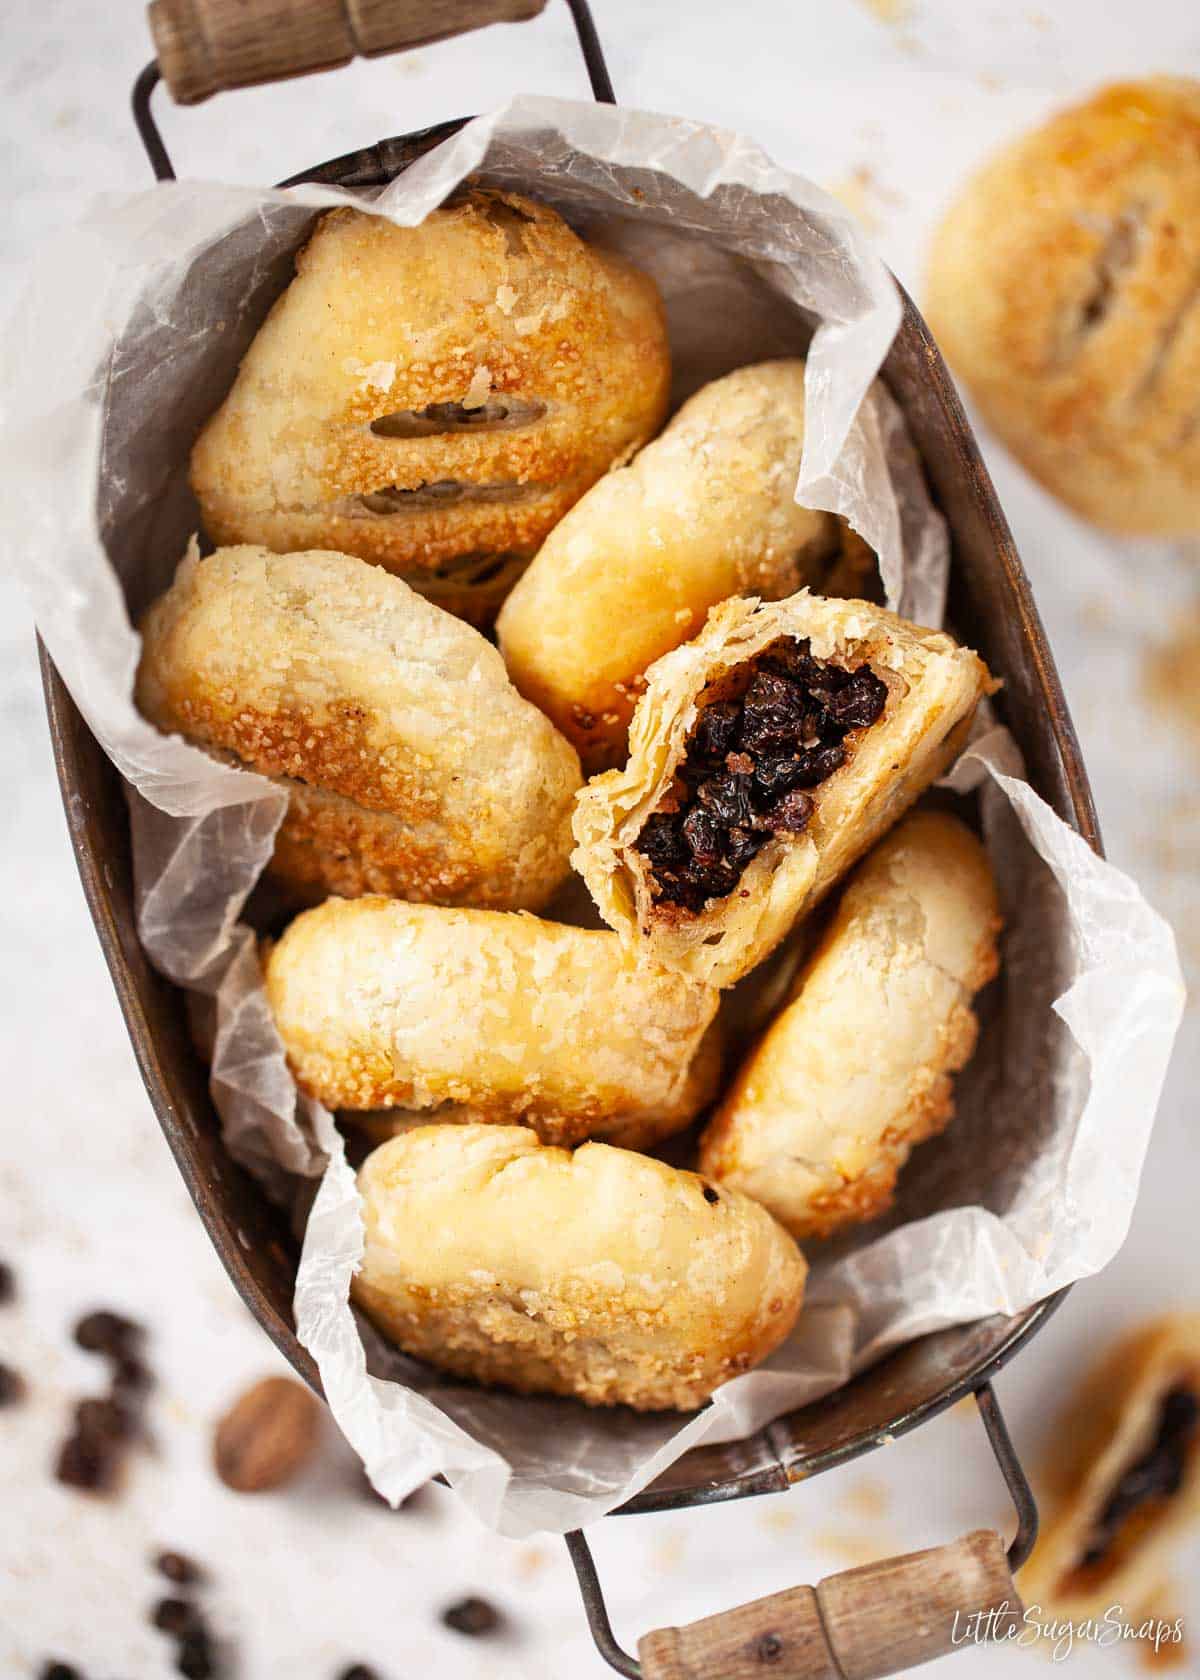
column 1126, row 1477
column 1063, row 288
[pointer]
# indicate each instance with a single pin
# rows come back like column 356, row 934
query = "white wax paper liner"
column 1122, row 1003
column 114, row 340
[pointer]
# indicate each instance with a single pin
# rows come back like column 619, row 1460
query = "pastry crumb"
column 1171, row 674
column 869, row 1499
column 531, row 1561
column 847, row 1547
column 853, row 192
column 890, row 11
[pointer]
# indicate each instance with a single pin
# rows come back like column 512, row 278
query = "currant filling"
column 500, row 414
column 1151, row 1480
column 774, row 729
column 441, row 492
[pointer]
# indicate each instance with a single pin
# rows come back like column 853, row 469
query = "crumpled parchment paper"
column 129, row 336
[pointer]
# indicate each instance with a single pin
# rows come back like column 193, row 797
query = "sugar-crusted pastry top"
column 1063, row 287
column 354, row 387
column 854, row 1071
column 383, row 1004
column 600, row 1273
column 321, row 668
column 705, row 511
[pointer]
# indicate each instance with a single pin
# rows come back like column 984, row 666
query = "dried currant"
column 744, row 844
column 716, row 731
column 177, row 1616
column 107, row 1332
column 661, row 842
column 860, row 701
column 85, row 1463
column 195, row 1659
column 104, row 1421
column 177, row 1567
column 793, row 813
column 746, row 765
column 727, row 798
column 472, row 1616
column 702, row 832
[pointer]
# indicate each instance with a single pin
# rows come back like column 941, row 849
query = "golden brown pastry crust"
column 706, row 511
column 388, row 1005
column 411, row 763
column 1064, row 288
column 604, row 1274
column 933, row 688
column 642, row 1129
column 1110, row 1424
column 856, row 1069
column 492, row 300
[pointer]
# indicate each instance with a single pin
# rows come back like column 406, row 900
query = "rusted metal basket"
column 872, row 1621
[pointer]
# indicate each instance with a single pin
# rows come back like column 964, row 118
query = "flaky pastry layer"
column 705, row 511
column 435, row 398
column 412, row 764
column 856, row 1069
column 933, row 688
column 604, row 1274
column 389, row 1005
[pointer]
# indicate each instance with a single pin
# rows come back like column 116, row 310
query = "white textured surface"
column 91, row 1209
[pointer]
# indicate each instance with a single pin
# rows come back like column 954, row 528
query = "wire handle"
column 153, row 73
column 208, row 46
column 860, row 1625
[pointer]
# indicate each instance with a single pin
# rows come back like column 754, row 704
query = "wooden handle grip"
column 204, row 46
column 880, row 1619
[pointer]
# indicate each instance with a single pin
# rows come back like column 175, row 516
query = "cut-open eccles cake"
column 1127, row 1477
column 766, row 757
